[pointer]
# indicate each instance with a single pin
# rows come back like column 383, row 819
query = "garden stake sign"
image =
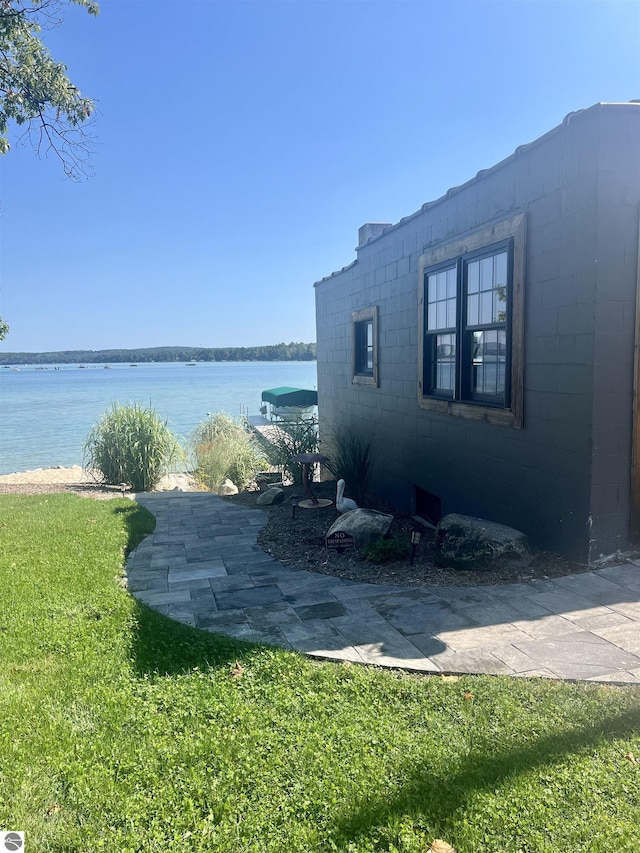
column 340, row 542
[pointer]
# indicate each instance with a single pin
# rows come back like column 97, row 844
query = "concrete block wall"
column 617, row 266
column 550, row 478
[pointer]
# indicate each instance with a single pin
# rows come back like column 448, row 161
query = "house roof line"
column 483, row 173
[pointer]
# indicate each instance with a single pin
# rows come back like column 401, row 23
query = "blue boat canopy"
column 290, row 397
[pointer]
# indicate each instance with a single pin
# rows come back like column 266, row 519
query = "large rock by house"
column 465, row 542
column 363, row 524
column 274, row 495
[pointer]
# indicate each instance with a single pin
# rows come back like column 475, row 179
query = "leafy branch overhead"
column 35, row 92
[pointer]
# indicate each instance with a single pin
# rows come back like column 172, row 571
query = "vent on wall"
column 428, row 506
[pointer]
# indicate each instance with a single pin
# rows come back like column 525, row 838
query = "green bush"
column 351, row 459
column 223, row 449
column 382, row 550
column 288, row 439
column 132, row 445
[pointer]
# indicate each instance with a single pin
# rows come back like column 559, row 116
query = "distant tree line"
column 275, row 352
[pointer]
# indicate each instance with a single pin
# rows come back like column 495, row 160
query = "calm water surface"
column 46, row 415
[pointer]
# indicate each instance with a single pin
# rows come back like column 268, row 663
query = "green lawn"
column 123, row 731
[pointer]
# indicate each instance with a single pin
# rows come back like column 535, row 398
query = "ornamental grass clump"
column 223, row 449
column 132, row 445
column 351, row 459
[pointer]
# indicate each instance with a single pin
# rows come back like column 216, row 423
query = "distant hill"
column 275, row 352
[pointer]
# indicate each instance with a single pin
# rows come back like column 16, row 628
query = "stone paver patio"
column 201, row 566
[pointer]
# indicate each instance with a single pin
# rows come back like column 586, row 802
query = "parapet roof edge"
column 520, row 150
column 337, row 272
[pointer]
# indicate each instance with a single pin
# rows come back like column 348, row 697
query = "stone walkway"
column 201, row 566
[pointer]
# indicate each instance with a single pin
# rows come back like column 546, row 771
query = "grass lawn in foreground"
column 121, row 730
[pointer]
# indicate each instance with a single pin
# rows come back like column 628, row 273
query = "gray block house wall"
column 563, row 475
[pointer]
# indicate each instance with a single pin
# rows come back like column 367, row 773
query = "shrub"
column 289, row 439
column 351, row 459
column 223, row 449
column 132, row 445
column 383, row 550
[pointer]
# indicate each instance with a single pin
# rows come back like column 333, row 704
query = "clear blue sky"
column 240, row 145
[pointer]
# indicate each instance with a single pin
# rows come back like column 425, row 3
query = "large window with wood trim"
column 467, row 327
column 471, row 325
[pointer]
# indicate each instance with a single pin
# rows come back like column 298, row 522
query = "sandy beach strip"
column 50, row 476
column 76, row 479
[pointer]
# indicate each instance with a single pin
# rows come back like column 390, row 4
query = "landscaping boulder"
column 363, row 524
column 465, row 542
column 274, row 495
column 227, row 488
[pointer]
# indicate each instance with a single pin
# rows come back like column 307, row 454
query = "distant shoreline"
column 293, row 351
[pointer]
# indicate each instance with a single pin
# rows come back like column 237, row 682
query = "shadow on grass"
column 166, row 647
column 138, row 522
column 439, row 799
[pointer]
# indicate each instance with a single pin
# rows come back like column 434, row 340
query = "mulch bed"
column 299, row 541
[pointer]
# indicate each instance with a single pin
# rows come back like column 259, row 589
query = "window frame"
column 360, row 320
column 459, row 253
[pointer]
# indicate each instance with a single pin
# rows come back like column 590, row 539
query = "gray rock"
column 466, row 542
column 363, row 524
column 274, row 495
column 227, row 488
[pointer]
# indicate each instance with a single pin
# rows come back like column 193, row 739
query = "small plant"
column 132, row 445
column 351, row 459
column 289, row 439
column 383, row 550
column 223, row 449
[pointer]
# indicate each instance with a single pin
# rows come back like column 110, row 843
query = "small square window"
column 365, row 346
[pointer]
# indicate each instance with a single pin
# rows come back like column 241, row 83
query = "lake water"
column 46, row 415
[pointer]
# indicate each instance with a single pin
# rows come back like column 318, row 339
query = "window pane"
column 441, row 322
column 446, row 346
column 431, row 316
column 486, row 273
column 472, row 310
column 451, row 313
column 501, row 268
column 500, row 304
column 369, row 335
column 486, row 308
column 441, row 284
column 473, row 277
column 431, row 288
column 451, row 283
column 444, row 377
column 489, row 363
column 445, row 362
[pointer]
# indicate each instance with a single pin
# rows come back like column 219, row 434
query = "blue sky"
column 240, row 145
